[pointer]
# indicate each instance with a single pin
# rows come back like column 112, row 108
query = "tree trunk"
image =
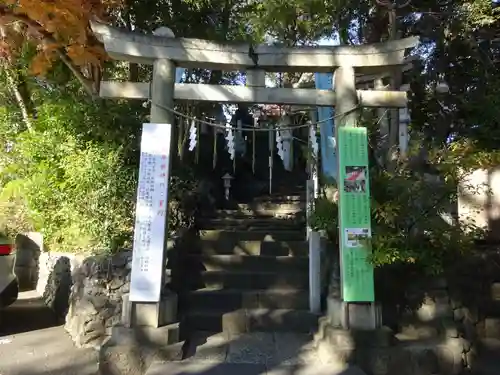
column 21, row 94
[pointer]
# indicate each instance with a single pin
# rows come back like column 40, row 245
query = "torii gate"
column 166, row 53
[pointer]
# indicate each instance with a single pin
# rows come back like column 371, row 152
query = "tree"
column 452, row 133
column 60, row 30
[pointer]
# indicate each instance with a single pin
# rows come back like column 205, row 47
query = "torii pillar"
column 355, row 311
column 163, row 312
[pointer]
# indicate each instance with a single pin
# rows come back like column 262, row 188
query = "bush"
column 410, row 220
column 74, row 176
column 79, row 194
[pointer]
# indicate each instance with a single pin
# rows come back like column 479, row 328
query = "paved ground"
column 208, row 368
column 253, row 354
column 32, row 342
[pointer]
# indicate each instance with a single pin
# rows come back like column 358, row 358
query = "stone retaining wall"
column 84, row 291
column 460, row 308
column 55, row 279
column 29, row 247
column 95, row 301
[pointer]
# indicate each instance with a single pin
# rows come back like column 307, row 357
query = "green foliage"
column 183, row 199
column 74, row 177
column 324, row 216
column 412, row 220
column 412, row 213
column 78, row 193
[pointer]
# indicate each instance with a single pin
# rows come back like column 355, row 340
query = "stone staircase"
column 488, row 332
column 249, row 270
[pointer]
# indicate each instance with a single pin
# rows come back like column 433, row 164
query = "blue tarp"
column 324, row 81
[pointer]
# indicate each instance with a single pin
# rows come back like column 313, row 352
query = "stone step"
column 252, row 320
column 274, row 350
column 260, row 213
column 254, row 235
column 251, row 223
column 248, row 263
column 266, row 207
column 491, row 308
column 488, row 360
column 489, row 347
column 232, row 245
column 164, row 336
column 281, row 198
column 252, row 299
column 492, row 328
column 255, row 280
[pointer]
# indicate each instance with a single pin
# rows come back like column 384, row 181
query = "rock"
column 471, row 314
column 132, row 351
column 470, row 358
column 466, row 344
column 438, row 283
column 450, row 356
column 456, row 303
column 492, row 328
column 469, row 330
column 495, row 291
column 122, row 360
column 435, row 306
column 419, row 331
column 337, row 357
column 450, row 328
column 28, row 249
column 58, row 286
column 427, row 362
column 95, row 301
column 458, row 314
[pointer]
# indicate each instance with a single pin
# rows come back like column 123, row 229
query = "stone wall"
column 29, row 247
column 55, row 280
column 460, row 308
column 474, row 287
column 432, row 325
column 84, row 291
column 95, row 301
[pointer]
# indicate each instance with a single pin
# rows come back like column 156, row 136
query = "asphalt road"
column 33, row 342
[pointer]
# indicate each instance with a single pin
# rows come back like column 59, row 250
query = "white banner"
column 151, row 214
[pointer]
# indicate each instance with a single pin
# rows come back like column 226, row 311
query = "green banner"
column 354, row 215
